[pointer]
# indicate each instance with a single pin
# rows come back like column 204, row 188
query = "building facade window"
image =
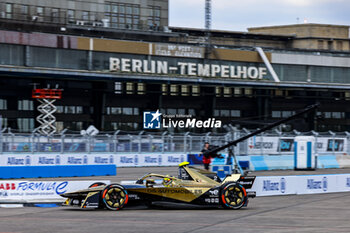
column 118, row 88
column 185, row 90
column 40, row 11
column 128, row 111
column 276, row 114
column 235, row 113
column 25, row 124
column 192, row 112
column 69, row 109
column 122, row 111
column 171, row 111
column 124, row 16
column 195, row 90
column 334, row 115
column 9, row 11
column 79, row 109
column 248, row 92
column 237, row 91
column 85, row 16
column 141, row 89
column 154, row 18
column 320, row 44
column 227, row 92
column 24, row 10
column 60, row 109
column 25, row 105
column 218, row 91
column 74, row 125
column 174, row 89
column 4, row 122
column 39, row 14
column 114, row 110
column 339, row 45
column 130, row 88
column 55, row 15
column 3, row 104
column 71, row 16
column 286, row 114
column 330, row 45
column 181, row 111
column 227, row 113
column 59, row 126
column 282, row 114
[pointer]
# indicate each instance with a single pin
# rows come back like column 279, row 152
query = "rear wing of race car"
column 246, row 181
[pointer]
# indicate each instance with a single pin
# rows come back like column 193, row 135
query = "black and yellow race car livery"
column 192, row 186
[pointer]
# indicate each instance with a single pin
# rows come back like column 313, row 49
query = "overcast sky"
column 237, row 15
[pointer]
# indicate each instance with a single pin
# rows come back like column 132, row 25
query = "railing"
column 268, row 143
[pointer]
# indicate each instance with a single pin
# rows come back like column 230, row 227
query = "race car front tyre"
column 233, row 196
column 115, row 197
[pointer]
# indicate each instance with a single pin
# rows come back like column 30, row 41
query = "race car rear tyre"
column 96, row 184
column 115, row 197
column 233, row 196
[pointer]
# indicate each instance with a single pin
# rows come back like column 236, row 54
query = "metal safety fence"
column 268, row 143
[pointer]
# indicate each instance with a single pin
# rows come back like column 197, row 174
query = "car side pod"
column 115, row 197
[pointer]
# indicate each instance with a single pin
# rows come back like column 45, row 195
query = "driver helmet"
column 167, row 181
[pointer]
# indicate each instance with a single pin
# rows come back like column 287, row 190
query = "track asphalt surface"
column 302, row 213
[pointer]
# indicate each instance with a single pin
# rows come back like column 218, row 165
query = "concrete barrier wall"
column 62, row 162
column 50, row 165
column 304, row 184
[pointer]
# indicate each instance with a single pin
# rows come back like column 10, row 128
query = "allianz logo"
column 280, row 186
column 15, row 161
column 74, row 160
column 149, row 159
column 347, row 182
column 129, row 160
column 125, row 159
column 172, row 159
column 102, row 160
column 45, row 160
column 313, row 184
column 19, row 161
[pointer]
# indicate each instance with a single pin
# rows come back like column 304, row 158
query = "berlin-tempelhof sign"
column 186, row 68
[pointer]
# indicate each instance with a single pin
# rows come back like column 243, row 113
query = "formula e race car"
column 193, row 186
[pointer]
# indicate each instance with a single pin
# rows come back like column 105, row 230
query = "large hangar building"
column 115, row 60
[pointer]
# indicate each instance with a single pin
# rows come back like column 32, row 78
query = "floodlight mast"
column 208, row 15
column 207, row 27
column 270, row 126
